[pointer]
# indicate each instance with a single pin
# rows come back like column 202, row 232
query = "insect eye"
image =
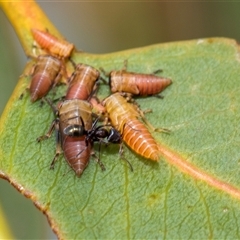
column 74, row 130
column 114, row 136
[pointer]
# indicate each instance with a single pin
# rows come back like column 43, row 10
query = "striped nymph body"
column 125, row 117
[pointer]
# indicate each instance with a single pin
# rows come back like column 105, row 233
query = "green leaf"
column 191, row 193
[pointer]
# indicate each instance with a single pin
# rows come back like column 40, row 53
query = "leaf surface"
column 178, row 198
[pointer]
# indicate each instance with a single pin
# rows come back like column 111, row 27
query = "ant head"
column 114, row 136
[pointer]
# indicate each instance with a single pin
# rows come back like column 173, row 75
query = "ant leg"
column 121, row 153
column 98, row 161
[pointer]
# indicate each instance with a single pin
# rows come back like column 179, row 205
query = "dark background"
column 101, row 27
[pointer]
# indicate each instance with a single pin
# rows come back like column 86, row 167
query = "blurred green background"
column 103, row 27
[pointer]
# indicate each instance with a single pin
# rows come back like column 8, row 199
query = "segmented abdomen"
column 55, row 46
column 77, row 153
column 137, row 84
column 150, row 84
column 40, row 85
column 77, row 92
column 46, row 72
column 124, row 117
column 82, row 82
column 138, row 138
